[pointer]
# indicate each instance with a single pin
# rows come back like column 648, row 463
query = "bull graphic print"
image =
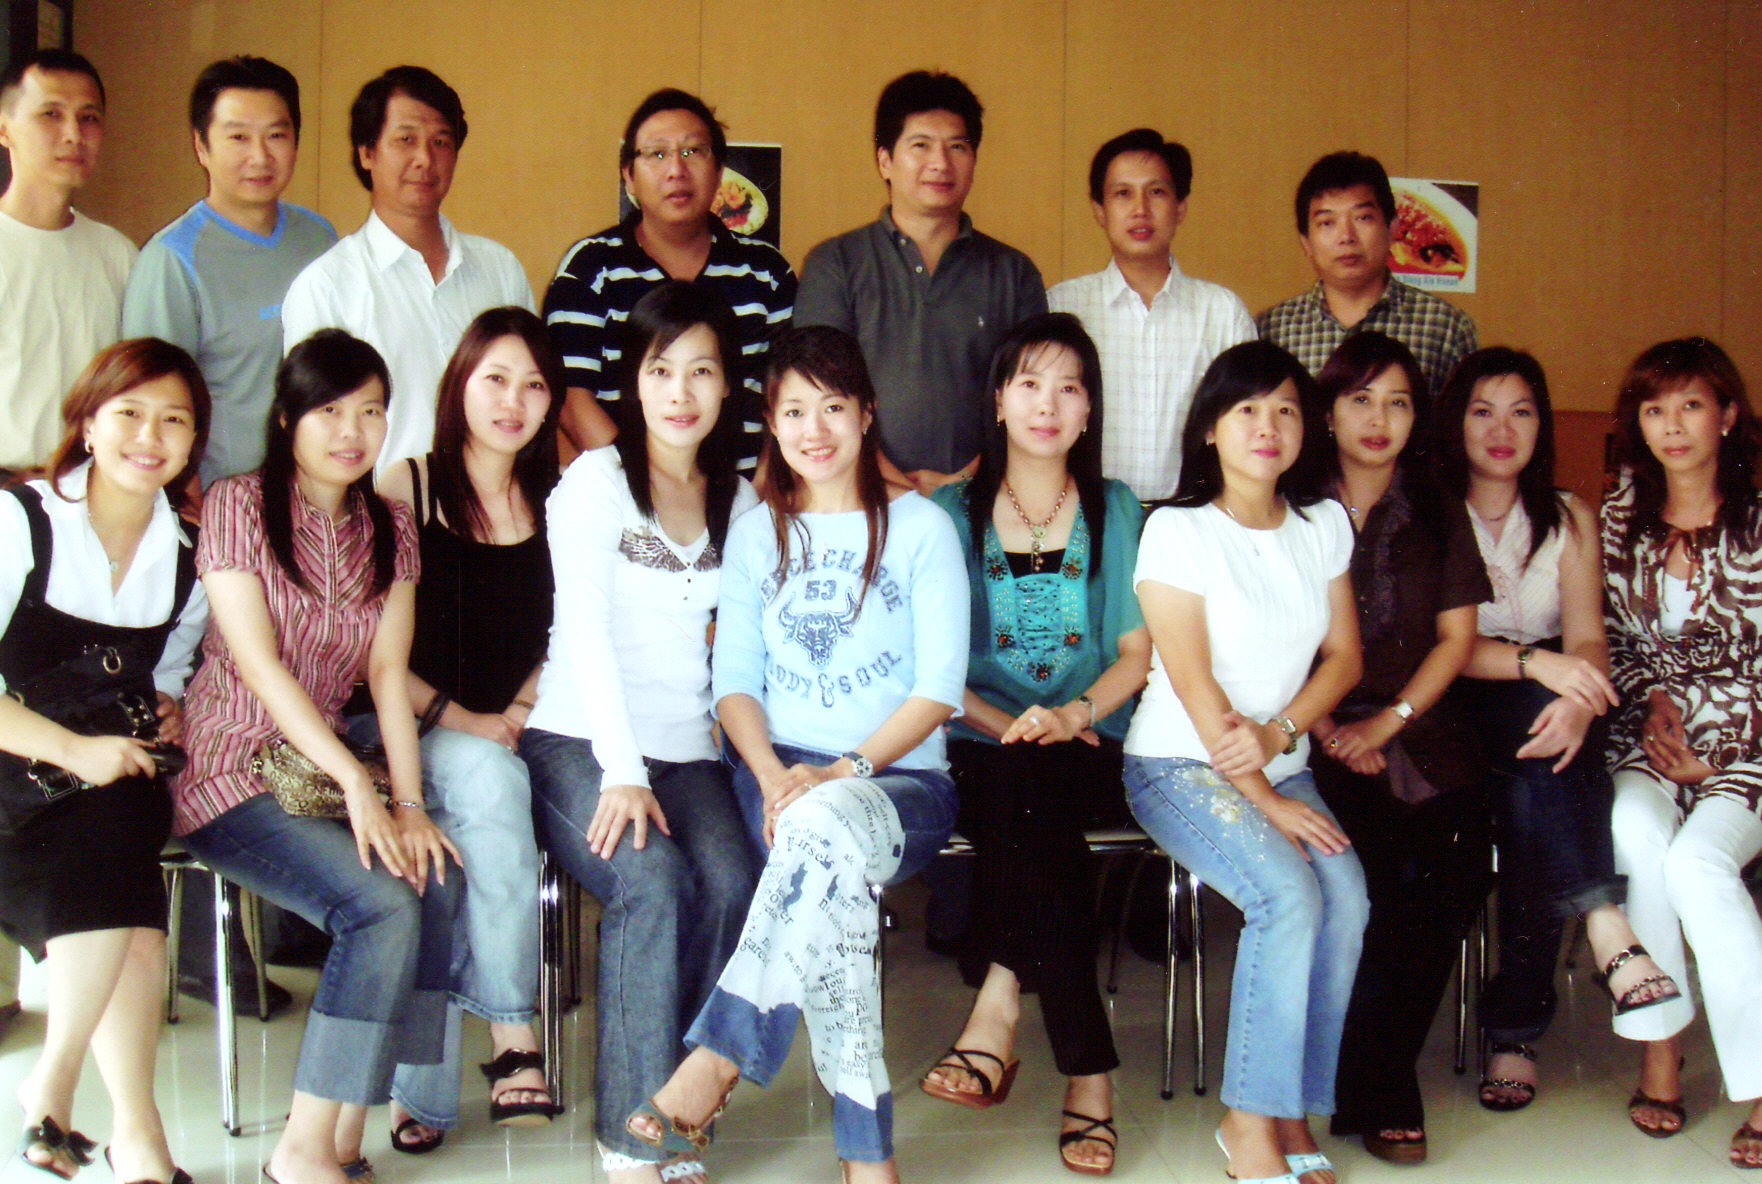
column 818, row 631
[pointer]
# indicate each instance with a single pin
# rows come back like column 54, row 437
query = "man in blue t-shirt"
column 213, row 280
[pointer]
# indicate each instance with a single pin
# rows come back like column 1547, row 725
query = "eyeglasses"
column 659, row 155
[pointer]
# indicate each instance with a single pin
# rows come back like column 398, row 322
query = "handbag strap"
column 36, row 583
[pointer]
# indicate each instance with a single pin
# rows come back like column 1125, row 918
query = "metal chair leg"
column 1197, row 915
column 875, row 891
column 226, row 1022
column 552, row 952
column 1170, row 984
column 174, row 891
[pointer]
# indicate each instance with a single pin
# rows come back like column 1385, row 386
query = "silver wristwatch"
column 860, row 765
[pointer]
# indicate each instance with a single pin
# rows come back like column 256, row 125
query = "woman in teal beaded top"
column 1058, row 653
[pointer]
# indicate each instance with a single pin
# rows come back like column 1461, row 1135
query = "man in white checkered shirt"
column 1157, row 328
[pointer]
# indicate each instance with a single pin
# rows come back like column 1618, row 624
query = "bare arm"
column 1359, row 745
column 585, row 422
column 1071, row 721
column 96, row 759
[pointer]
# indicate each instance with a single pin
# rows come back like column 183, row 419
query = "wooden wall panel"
column 1253, row 90
column 147, row 173
column 1587, row 127
column 814, row 83
column 1741, row 253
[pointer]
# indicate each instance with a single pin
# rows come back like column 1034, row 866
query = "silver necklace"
column 1036, row 530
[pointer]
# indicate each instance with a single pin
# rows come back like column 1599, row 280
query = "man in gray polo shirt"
column 928, row 296
column 213, row 280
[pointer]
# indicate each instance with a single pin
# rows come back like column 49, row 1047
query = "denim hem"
column 422, row 1116
column 347, row 1061
column 1266, row 1109
column 1524, row 1035
column 495, row 1017
column 1576, row 904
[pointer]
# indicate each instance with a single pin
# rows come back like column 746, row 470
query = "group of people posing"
column 837, row 570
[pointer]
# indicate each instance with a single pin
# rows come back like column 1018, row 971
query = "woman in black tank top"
column 483, row 615
column 100, row 621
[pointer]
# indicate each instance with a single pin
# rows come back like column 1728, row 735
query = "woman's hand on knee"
column 425, row 844
column 1302, row 823
column 1558, row 730
column 621, row 807
column 792, row 785
column 374, row 830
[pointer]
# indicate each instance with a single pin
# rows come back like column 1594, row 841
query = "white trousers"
column 1684, row 880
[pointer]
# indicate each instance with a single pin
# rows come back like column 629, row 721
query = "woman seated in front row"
column 94, row 565
column 311, row 577
column 837, row 661
column 629, row 796
column 1244, row 586
column 1058, row 651
column 1682, row 553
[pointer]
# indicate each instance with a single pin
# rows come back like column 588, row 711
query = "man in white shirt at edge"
column 61, row 274
column 406, row 282
column 1157, row 329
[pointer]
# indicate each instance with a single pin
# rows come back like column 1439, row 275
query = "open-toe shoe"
column 991, row 1093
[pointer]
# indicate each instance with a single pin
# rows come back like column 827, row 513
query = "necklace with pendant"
column 1036, row 530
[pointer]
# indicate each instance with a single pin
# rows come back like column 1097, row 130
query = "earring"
column 1723, row 432
column 88, row 448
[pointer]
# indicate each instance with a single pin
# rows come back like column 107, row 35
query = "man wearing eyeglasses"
column 671, row 163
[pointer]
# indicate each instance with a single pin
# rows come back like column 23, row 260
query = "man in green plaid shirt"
column 1344, row 211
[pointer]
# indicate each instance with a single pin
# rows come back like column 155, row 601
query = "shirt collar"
column 385, row 248
column 73, row 488
column 894, row 232
column 1392, row 298
column 1114, row 286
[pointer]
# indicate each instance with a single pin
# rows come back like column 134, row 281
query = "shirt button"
column 919, row 269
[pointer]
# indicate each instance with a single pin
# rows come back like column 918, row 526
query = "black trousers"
column 1426, row 870
column 1025, row 807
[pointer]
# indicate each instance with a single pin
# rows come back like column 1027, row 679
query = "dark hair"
column 242, row 73
column 1083, row 462
column 1669, row 366
column 1357, row 362
column 673, row 99
column 831, row 360
column 1343, row 170
column 1535, row 483
column 1143, row 139
column 367, row 114
column 535, row 465
column 115, row 370
column 925, row 90
column 1242, row 372
column 665, row 312
column 52, row 60
column 325, row 367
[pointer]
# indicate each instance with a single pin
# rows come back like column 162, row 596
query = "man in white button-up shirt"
column 406, row 282
column 1156, row 327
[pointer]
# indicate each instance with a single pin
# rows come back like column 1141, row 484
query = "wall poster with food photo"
column 749, row 199
column 1435, row 242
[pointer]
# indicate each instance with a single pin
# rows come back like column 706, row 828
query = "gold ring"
column 1335, row 743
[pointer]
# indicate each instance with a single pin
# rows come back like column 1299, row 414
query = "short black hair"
column 367, row 115
column 50, row 61
column 243, row 72
column 1343, row 170
column 671, row 98
column 1143, row 139
column 926, row 90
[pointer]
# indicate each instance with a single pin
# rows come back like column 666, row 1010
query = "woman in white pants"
column 1682, row 549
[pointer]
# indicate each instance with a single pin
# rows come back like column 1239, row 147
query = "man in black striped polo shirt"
column 671, row 162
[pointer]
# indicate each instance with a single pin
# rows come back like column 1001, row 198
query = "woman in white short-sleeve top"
column 1243, row 584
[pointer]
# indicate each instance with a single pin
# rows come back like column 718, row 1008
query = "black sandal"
column 1626, row 1001
column 1110, row 1138
column 417, row 1146
column 178, row 1175
column 512, row 1061
column 61, row 1146
column 1526, row 1090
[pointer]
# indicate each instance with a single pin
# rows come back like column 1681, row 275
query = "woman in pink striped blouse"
column 311, row 578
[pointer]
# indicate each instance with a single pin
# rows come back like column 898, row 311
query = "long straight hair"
column 1242, row 372
column 1024, row 344
column 535, row 465
column 831, row 360
column 1542, row 502
column 1670, row 366
column 321, row 369
column 665, row 313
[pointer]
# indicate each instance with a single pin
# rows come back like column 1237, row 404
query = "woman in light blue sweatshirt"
column 841, row 649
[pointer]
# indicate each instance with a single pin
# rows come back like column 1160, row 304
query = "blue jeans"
column 1303, row 924
column 382, row 995
column 479, row 794
column 671, row 912
column 817, row 926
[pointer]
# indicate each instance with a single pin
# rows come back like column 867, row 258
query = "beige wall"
column 1618, row 145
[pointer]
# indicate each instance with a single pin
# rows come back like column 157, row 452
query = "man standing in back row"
column 926, row 295
column 1345, row 210
column 407, row 283
column 61, row 274
column 1156, row 327
column 213, row 281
